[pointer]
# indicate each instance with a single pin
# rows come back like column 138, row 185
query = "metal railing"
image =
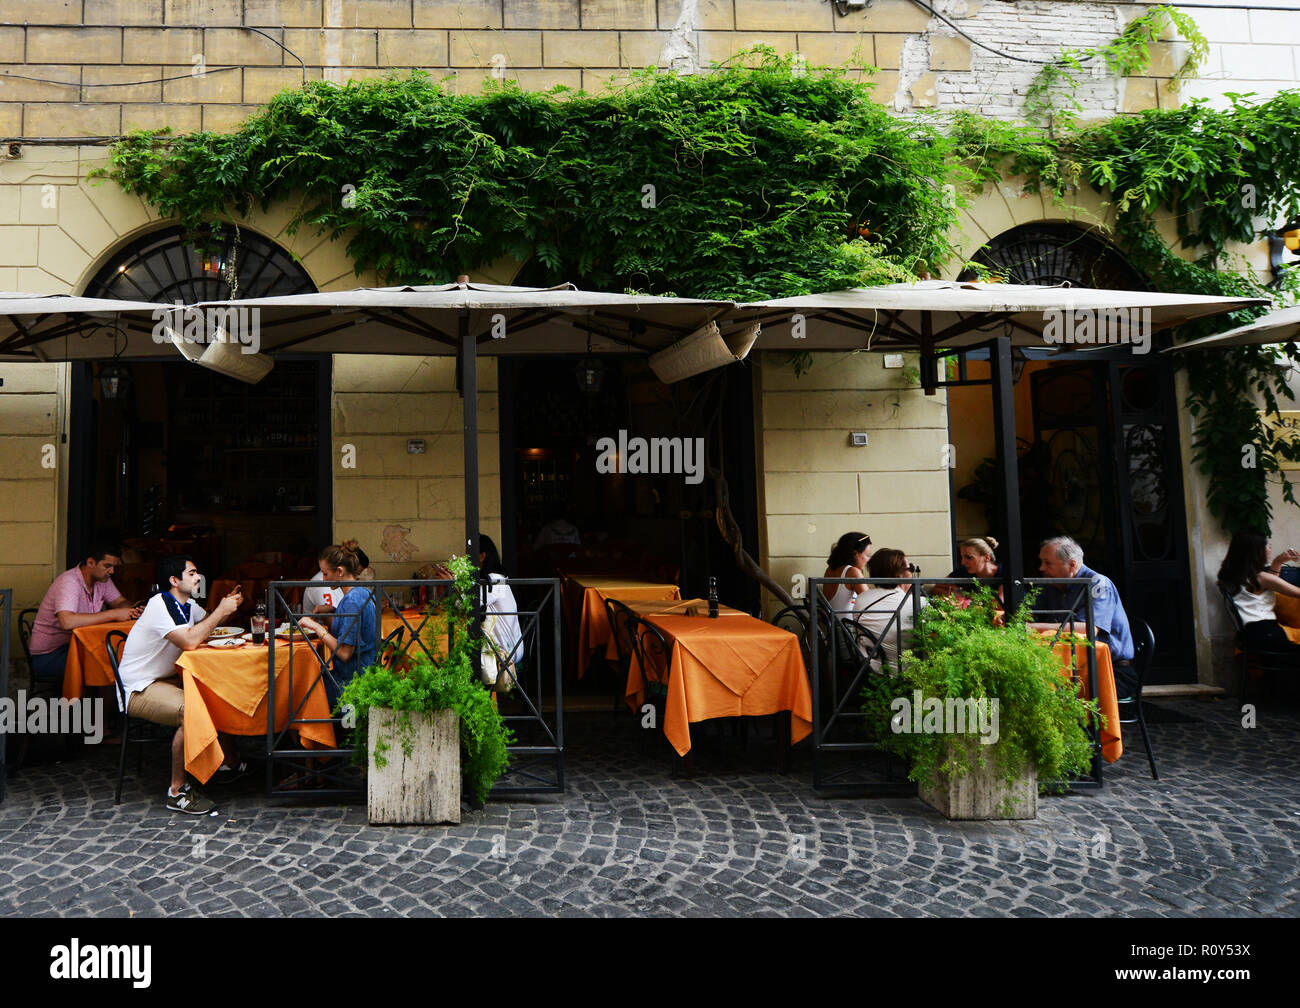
column 843, row 655
column 524, row 708
column 6, row 616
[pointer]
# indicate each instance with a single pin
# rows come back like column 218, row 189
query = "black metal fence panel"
column 536, row 760
column 844, row 651
column 6, row 617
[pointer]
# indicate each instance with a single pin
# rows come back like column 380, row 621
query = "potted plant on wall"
column 981, row 713
column 428, row 720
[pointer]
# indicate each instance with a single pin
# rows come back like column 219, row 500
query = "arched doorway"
column 159, row 444
column 1098, row 431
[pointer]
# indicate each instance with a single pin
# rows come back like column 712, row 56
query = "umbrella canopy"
column 1275, row 327
column 59, row 327
column 940, row 313
column 428, row 320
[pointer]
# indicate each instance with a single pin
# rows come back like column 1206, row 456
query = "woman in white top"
column 1249, row 576
column 847, row 560
column 501, row 621
column 875, row 608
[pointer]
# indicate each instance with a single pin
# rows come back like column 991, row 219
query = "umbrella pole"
column 1004, row 439
column 469, row 391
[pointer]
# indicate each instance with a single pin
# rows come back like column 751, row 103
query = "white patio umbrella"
column 470, row 319
column 1275, row 327
column 935, row 314
column 432, row 320
column 60, row 327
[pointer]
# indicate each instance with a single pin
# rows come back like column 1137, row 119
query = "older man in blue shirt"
column 1062, row 557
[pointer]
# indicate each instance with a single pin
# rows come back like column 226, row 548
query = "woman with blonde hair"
column 977, row 561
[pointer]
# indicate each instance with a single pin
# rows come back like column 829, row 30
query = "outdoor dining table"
column 87, row 663
column 584, row 601
column 732, row 666
column 1287, row 611
column 226, row 690
column 1074, row 661
column 434, row 630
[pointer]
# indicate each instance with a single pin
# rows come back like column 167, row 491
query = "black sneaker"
column 228, row 775
column 191, row 801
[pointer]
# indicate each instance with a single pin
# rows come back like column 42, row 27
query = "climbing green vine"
column 1213, row 174
column 754, row 182
column 1126, row 55
column 740, row 183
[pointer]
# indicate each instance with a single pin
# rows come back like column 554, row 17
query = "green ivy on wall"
column 746, row 183
column 1215, row 173
column 740, row 183
column 1050, row 100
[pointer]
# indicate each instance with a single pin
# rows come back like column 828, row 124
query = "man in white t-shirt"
column 171, row 624
column 324, row 599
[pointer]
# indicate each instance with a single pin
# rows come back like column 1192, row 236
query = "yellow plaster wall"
column 408, row 509
column 33, row 482
column 815, row 485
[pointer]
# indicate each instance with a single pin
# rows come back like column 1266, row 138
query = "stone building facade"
column 75, row 73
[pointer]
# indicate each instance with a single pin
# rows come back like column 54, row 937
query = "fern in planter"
column 427, row 685
column 960, row 655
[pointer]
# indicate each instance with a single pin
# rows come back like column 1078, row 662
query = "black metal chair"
column 391, row 646
column 652, row 651
column 621, row 620
column 1130, row 707
column 134, row 729
column 42, row 688
column 1262, row 659
column 794, row 619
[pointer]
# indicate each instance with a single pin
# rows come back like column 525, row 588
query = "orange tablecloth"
column 88, row 658
column 437, row 623
column 669, row 606
column 1287, row 611
column 726, row 668
column 226, row 691
column 1111, row 746
column 584, row 600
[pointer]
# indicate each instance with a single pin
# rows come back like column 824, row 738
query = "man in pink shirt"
column 82, row 596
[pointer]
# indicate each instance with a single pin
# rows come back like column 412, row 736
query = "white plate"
column 298, row 631
column 226, row 642
column 226, row 631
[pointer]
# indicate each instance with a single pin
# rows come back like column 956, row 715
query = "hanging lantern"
column 590, row 372
column 114, row 381
column 212, row 263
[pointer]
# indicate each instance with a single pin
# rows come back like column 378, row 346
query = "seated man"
column 172, row 623
column 1062, row 557
column 82, row 596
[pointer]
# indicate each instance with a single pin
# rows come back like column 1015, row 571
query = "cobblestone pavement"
column 1218, row 834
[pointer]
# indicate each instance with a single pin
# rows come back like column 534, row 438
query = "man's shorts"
column 162, row 702
column 49, row 667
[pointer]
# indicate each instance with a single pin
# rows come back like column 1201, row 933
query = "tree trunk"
column 730, row 531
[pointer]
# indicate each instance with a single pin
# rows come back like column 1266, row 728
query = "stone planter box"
column 423, row 787
column 981, row 795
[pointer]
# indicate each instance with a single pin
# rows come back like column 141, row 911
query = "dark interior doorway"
column 177, row 451
column 163, row 451
column 662, row 524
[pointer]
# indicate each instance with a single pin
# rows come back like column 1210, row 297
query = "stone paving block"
column 629, row 839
